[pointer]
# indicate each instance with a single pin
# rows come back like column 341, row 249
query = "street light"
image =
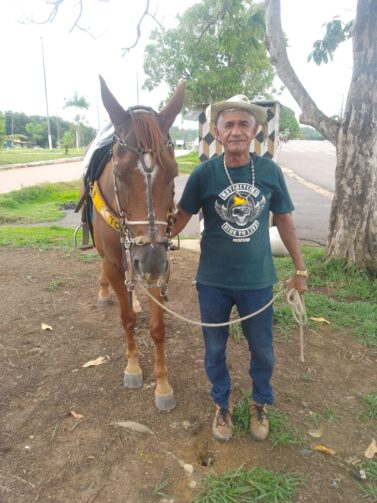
column 45, row 81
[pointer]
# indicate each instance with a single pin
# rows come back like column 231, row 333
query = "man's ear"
column 217, row 134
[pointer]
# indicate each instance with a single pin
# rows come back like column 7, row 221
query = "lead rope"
column 293, row 299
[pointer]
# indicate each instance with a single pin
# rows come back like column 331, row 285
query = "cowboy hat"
column 239, row 101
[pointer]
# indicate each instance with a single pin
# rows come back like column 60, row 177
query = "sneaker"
column 259, row 426
column 222, row 425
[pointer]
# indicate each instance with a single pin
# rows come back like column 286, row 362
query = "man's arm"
column 284, row 224
column 181, row 220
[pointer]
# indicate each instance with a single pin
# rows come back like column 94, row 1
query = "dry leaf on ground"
column 371, row 450
column 75, row 414
column 46, row 327
column 99, row 361
column 316, row 433
column 322, row 448
column 131, row 425
column 320, row 320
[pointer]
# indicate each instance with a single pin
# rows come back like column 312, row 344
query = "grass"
column 343, row 295
column 186, row 163
column 37, row 237
column 248, row 486
column 369, row 487
column 40, row 203
column 21, row 156
column 370, row 403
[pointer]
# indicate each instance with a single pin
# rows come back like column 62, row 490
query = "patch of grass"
column 369, row 486
column 54, row 284
column 343, row 295
column 281, row 434
column 241, row 415
column 370, row 403
column 330, row 415
column 249, row 486
column 22, row 156
column 40, row 203
column 236, row 333
column 160, row 486
column 186, row 163
column 36, row 237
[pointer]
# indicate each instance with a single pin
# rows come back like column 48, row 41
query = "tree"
column 35, row 130
column 79, row 103
column 353, row 220
column 288, row 122
column 217, row 47
column 2, row 128
column 67, row 141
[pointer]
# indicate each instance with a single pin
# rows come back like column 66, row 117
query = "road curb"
column 39, row 163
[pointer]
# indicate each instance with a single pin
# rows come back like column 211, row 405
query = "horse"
column 133, row 212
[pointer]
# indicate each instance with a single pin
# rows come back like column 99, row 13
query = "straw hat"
column 239, row 101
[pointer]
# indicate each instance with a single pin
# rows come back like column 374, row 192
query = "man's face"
column 235, row 131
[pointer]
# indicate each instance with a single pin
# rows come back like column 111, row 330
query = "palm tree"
column 79, row 103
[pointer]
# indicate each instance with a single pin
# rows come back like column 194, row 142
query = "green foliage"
column 343, row 295
column 288, row 122
column 217, row 47
column 241, row 415
column 281, row 434
column 188, row 135
column 2, row 128
column 370, row 403
column 248, row 486
column 35, row 130
column 36, row 237
column 79, row 102
column 67, row 141
column 41, row 203
column 26, row 155
column 336, row 33
column 369, row 486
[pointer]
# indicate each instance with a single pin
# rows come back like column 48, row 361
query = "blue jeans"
column 215, row 307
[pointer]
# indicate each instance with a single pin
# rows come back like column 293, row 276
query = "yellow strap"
column 102, row 208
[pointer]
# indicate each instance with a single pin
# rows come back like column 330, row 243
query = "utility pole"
column 45, row 81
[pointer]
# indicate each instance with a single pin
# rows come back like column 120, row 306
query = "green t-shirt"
column 235, row 245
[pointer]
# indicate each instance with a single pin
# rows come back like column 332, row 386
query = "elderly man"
column 236, row 191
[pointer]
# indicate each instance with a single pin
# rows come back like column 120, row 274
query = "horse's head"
column 144, row 169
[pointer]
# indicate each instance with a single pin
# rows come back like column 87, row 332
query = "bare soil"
column 48, row 455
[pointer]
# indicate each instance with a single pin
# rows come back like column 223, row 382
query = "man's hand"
column 299, row 283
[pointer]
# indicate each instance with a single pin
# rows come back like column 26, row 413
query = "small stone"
column 192, row 484
column 188, row 468
column 307, row 453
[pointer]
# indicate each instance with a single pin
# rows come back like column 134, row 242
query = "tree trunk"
column 353, row 220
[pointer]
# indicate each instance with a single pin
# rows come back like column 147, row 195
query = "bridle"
column 126, row 239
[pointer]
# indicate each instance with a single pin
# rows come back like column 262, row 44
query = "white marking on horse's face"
column 148, row 160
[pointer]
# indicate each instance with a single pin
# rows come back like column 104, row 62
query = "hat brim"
column 213, row 110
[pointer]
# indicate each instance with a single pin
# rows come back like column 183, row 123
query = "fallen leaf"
column 46, row 327
column 371, row 450
column 322, row 448
column 75, row 414
column 316, row 433
column 320, row 320
column 131, row 425
column 99, row 361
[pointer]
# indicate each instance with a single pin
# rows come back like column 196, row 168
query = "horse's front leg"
column 133, row 377
column 164, row 395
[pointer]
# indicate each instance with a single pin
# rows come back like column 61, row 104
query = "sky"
column 74, row 59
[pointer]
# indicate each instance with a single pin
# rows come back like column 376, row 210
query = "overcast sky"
column 74, row 60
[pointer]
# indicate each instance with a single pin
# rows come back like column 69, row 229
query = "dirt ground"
column 48, row 455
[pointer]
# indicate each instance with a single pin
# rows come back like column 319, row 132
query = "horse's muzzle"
column 150, row 261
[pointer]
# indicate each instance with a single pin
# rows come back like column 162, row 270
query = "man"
column 236, row 192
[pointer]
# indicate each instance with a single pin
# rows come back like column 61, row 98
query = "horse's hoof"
column 106, row 301
column 133, row 381
column 164, row 403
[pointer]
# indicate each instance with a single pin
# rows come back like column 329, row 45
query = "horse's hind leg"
column 133, row 377
column 104, row 296
column 164, row 395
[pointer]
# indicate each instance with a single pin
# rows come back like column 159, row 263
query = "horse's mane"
column 147, row 130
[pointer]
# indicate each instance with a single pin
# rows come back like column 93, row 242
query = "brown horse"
column 137, row 187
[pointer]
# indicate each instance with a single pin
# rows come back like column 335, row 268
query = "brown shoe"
column 222, row 427
column 259, row 426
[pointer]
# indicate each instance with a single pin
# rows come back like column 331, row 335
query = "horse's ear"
column 117, row 114
column 172, row 108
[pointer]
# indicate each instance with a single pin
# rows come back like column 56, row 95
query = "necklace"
column 252, row 176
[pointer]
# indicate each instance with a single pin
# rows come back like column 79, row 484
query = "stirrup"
column 85, row 237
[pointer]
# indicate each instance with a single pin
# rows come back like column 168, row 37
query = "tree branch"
column 224, row 9
column 138, row 28
column 276, row 46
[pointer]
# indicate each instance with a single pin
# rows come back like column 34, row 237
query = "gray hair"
column 235, row 109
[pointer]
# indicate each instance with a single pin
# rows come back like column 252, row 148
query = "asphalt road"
column 309, row 169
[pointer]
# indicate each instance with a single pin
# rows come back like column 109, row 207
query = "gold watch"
column 302, row 273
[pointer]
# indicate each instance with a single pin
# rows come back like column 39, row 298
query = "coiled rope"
column 293, row 299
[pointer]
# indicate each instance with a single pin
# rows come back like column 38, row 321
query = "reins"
column 293, row 299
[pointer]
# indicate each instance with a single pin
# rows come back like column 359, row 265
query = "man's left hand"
column 299, row 283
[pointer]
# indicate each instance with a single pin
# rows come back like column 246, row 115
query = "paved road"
column 309, row 169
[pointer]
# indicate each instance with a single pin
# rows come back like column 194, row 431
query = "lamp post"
column 45, row 82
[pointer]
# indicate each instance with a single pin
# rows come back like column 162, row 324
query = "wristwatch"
column 302, row 273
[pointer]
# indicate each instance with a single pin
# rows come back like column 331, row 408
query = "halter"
column 126, row 239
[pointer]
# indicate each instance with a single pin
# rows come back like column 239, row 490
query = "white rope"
column 293, row 299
